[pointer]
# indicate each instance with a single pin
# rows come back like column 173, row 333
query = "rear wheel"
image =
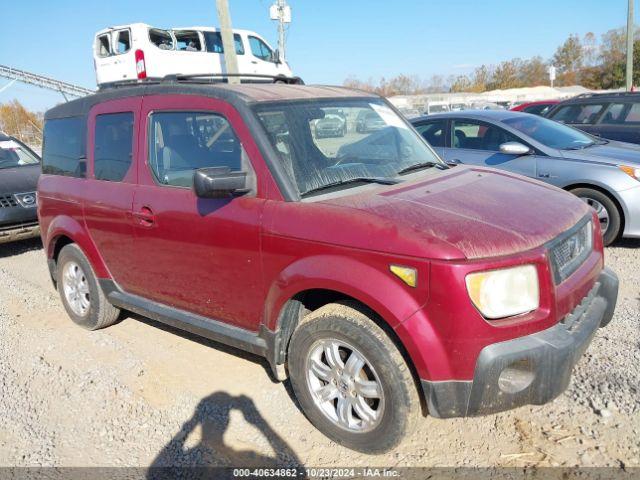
column 81, row 295
column 351, row 380
column 608, row 214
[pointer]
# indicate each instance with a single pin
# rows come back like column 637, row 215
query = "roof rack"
column 606, row 94
column 205, row 78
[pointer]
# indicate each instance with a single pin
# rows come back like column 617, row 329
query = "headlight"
column 503, row 293
column 633, row 172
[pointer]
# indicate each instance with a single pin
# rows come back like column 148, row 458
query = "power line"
column 66, row 89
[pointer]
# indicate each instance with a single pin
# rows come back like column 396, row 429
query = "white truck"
column 138, row 51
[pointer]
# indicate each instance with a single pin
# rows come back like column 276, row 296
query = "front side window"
column 213, row 41
column 14, row 154
column 260, row 50
column 182, row 142
column 549, row 133
column 578, row 114
column 103, row 47
column 433, row 132
column 63, row 149
column 188, row 41
column 319, row 148
column 112, row 157
column 479, row 136
column 123, row 43
column 161, row 39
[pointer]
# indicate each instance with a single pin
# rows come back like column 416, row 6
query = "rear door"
column 111, row 181
column 475, row 142
column 621, row 122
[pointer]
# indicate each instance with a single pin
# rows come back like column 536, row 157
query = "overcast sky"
column 328, row 40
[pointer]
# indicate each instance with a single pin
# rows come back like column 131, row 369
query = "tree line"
column 17, row 121
column 588, row 61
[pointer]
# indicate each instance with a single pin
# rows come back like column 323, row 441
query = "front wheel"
column 351, row 380
column 608, row 213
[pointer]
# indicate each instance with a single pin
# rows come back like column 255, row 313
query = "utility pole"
column 281, row 12
column 630, row 31
column 228, row 44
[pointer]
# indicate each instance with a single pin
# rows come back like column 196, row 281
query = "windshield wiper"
column 420, row 166
column 380, row 180
column 581, row 147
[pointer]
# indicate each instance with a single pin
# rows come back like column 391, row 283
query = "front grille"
column 570, row 250
column 7, row 201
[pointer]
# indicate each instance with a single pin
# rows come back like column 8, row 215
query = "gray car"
column 605, row 173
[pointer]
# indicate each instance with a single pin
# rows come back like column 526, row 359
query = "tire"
column 397, row 407
column 605, row 207
column 91, row 310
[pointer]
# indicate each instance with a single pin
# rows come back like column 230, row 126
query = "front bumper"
column 533, row 369
column 13, row 233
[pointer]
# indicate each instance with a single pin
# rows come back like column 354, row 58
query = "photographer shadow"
column 177, row 459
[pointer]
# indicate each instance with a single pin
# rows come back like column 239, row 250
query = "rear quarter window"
column 63, row 150
column 578, row 113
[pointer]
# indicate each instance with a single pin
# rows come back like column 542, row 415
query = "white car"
column 138, row 51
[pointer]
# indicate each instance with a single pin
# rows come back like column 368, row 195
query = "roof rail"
column 606, row 94
column 205, row 78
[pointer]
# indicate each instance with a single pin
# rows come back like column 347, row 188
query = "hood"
column 19, row 179
column 467, row 213
column 612, row 153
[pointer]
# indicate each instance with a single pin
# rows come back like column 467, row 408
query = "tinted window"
column 213, row 41
column 433, row 132
column 550, row 133
column 181, row 142
column 537, row 109
column 479, row 136
column 124, row 41
column 621, row 113
column 582, row 114
column 188, row 41
column 63, row 147
column 260, row 49
column 113, row 146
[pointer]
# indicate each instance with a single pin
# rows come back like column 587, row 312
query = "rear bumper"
column 533, row 369
column 14, row 233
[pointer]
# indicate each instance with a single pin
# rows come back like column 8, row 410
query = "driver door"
column 478, row 143
column 199, row 255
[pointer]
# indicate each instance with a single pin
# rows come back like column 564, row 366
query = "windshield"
column 550, row 133
column 333, row 142
column 12, row 154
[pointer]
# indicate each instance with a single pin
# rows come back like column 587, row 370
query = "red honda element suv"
column 382, row 282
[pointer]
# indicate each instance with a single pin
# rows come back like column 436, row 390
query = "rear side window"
column 181, row 142
column 64, row 147
column 578, row 114
column 213, row 41
column 103, row 48
column 433, row 132
column 188, row 41
column 161, row 39
column 113, row 152
column 622, row 113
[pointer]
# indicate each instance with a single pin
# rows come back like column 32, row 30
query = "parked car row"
column 381, row 280
column 604, row 173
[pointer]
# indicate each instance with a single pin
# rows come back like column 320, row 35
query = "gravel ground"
column 138, row 394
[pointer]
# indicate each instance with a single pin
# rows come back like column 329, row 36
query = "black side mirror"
column 219, row 182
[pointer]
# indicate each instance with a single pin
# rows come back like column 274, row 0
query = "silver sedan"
column 604, row 173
